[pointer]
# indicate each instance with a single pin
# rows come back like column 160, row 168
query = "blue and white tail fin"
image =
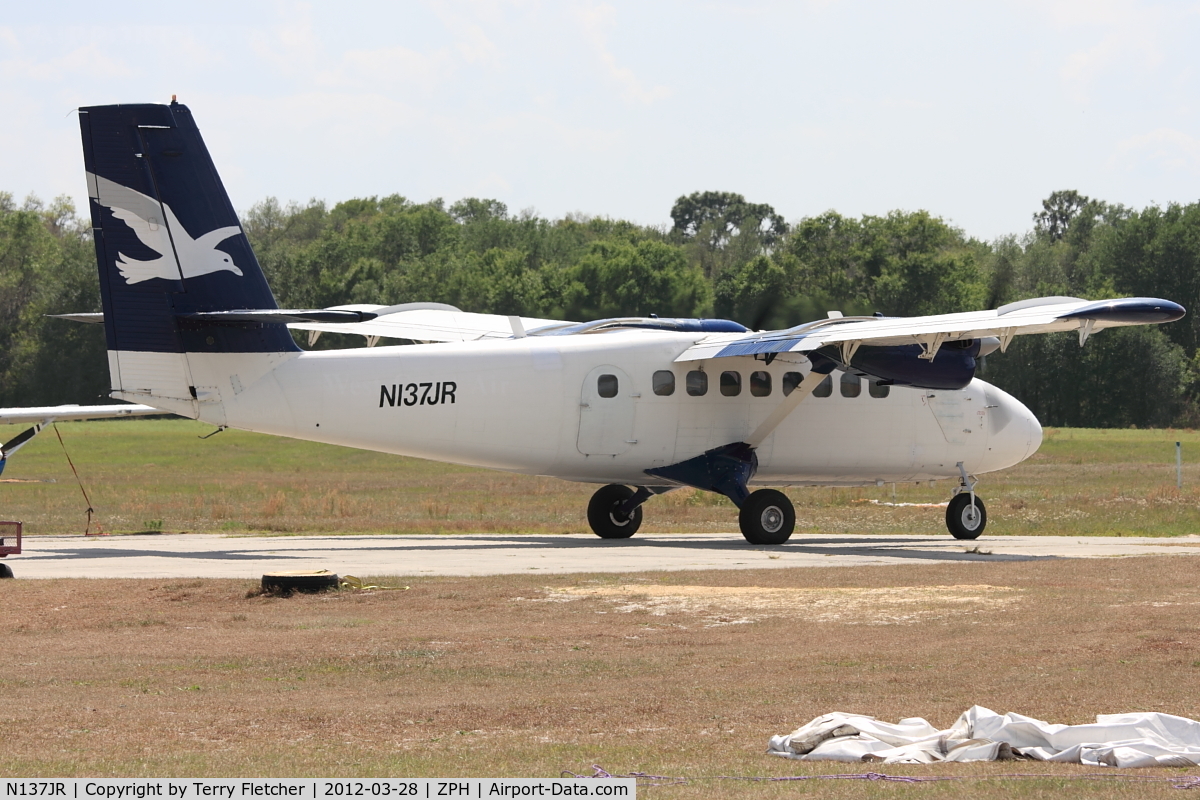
column 169, row 246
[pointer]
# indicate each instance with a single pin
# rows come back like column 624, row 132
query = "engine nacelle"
column 952, row 368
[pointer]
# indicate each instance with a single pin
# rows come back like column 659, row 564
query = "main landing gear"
column 966, row 516
column 766, row 516
column 610, row 515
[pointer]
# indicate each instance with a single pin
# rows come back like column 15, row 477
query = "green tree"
column 1122, row 377
column 919, row 265
column 617, row 279
column 47, row 266
column 755, row 293
column 1155, row 253
column 722, row 229
column 902, row 264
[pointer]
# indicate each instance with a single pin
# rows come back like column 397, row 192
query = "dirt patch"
column 460, row 677
column 739, row 605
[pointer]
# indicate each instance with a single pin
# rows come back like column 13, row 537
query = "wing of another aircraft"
column 43, row 416
column 14, row 416
column 1038, row 315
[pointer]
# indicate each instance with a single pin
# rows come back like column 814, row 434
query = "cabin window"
column 606, row 385
column 824, row 388
column 851, row 385
column 760, row 383
column 878, row 389
column 731, row 383
column 697, row 383
column 790, row 381
column 664, row 382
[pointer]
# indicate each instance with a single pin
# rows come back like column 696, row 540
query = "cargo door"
column 959, row 414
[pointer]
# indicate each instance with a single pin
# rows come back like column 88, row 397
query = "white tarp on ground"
column 1115, row 740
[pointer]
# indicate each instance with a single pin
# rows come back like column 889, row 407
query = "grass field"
column 678, row 674
column 158, row 475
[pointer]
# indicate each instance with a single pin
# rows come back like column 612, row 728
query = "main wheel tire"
column 602, row 513
column 5, row 571
column 767, row 517
column 964, row 521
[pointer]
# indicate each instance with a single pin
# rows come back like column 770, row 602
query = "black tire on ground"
column 284, row 583
column 767, row 517
column 963, row 521
column 603, row 517
column 6, row 571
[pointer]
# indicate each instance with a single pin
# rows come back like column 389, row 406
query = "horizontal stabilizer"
column 96, row 317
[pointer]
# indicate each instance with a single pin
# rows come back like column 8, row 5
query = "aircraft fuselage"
column 537, row 405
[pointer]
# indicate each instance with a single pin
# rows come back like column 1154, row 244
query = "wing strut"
column 818, row 373
column 19, row 441
column 1085, row 330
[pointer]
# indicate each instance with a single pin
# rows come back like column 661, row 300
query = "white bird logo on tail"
column 158, row 228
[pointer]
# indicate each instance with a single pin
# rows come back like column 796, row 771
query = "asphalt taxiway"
column 215, row 556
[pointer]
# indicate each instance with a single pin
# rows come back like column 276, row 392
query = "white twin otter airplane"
column 639, row 405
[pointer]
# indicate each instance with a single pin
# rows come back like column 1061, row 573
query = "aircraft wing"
column 419, row 322
column 1039, row 315
column 13, row 416
column 426, row 322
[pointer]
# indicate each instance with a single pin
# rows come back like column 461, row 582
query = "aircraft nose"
column 1014, row 433
column 1035, row 431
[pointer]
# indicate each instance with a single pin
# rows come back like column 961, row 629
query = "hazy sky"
column 974, row 111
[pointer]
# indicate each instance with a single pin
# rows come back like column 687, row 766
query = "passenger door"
column 606, row 412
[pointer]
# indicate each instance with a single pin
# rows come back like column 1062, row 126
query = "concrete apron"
column 214, row 556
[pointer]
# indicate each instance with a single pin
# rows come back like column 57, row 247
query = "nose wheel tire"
column 767, row 517
column 606, row 520
column 964, row 521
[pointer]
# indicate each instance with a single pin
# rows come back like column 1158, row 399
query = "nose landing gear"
column 966, row 516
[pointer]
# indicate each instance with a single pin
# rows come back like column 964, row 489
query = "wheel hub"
column 617, row 519
column 772, row 519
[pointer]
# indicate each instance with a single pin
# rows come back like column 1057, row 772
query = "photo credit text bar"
column 318, row 789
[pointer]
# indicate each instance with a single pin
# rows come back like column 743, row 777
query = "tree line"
column 722, row 256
